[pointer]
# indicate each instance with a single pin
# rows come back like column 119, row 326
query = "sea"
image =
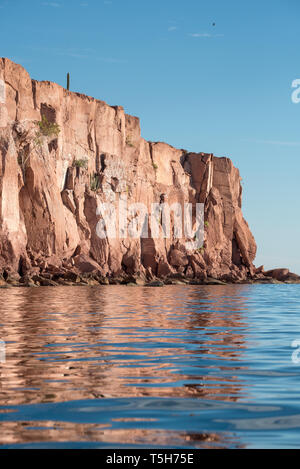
column 139, row 367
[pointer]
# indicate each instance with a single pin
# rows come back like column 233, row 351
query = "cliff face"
column 48, row 210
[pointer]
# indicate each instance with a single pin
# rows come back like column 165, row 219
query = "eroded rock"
column 48, row 203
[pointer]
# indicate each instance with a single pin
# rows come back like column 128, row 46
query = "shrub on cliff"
column 29, row 142
column 47, row 129
column 82, row 163
column 129, row 141
column 94, row 182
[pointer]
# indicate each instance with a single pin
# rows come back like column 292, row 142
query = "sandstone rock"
column 278, row 274
column 2, row 281
column 293, row 276
column 27, row 282
column 155, row 283
column 178, row 258
column 71, row 276
column 140, row 282
column 85, row 264
column 13, row 278
column 189, row 273
column 176, row 282
column 197, row 281
column 66, row 283
column 104, row 281
column 44, row 282
column 164, row 269
column 268, row 280
column 48, row 208
column 68, row 200
column 213, row 281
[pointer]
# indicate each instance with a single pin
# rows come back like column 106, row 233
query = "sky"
column 224, row 89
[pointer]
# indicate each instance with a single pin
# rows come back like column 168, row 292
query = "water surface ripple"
column 179, row 367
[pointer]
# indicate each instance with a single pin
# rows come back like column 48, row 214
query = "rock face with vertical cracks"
column 50, row 189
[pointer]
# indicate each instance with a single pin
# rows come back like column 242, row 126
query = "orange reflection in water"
column 75, row 343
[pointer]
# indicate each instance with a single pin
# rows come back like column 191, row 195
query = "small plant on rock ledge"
column 47, row 129
column 128, row 141
column 28, row 141
column 94, row 182
column 82, row 163
column 155, row 166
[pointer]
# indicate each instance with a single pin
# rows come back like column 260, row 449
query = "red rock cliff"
column 47, row 208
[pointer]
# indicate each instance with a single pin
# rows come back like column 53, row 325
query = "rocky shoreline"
column 74, row 278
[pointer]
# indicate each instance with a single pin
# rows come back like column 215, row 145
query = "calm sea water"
column 124, row 367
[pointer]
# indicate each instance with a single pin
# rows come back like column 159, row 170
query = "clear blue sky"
column 224, row 89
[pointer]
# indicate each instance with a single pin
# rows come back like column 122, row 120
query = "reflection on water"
column 132, row 366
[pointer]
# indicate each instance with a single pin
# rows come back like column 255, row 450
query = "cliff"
column 52, row 179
